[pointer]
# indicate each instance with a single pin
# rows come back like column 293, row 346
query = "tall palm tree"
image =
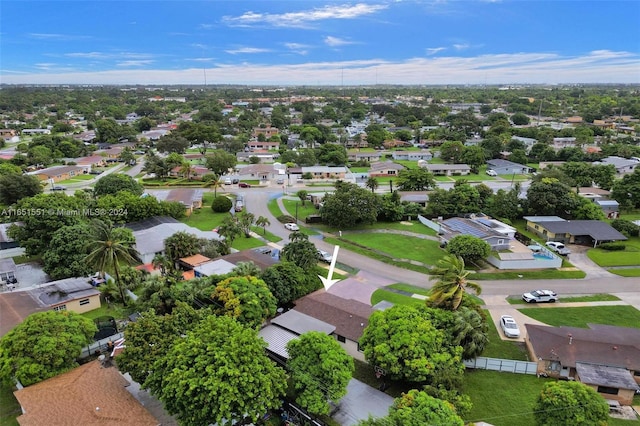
column 451, row 283
column 214, row 183
column 186, row 170
column 372, row 184
column 264, row 222
column 108, row 248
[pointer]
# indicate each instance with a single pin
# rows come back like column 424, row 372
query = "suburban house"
column 412, row 155
column 329, row 173
column 90, row 162
column 190, row 198
column 286, row 327
column 36, row 131
column 266, row 131
column 497, row 234
column 86, row 137
column 7, row 271
column 622, row 165
column 91, row 394
column 151, row 233
column 70, row 294
column 263, row 155
column 586, row 232
column 348, row 316
column 267, row 146
column 111, row 153
column 528, row 142
column 227, row 263
column 447, row 169
column 371, row 157
column 58, row 173
column 196, row 172
column 611, row 208
column 506, row 167
column 604, row 357
column 261, row 172
column 385, row 168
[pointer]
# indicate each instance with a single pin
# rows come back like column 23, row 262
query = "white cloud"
column 110, row 55
column 335, row 41
column 299, row 48
column 533, row 68
column 249, row 50
column 304, row 18
column 434, row 50
column 134, row 63
column 461, row 46
column 57, row 37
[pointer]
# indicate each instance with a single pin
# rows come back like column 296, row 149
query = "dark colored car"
column 235, row 180
column 244, row 185
column 58, row 188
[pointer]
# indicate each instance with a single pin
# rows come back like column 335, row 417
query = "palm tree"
column 372, row 184
column 451, row 283
column 109, row 248
column 186, row 170
column 264, row 222
column 214, row 183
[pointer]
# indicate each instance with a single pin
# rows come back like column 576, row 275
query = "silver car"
column 509, row 326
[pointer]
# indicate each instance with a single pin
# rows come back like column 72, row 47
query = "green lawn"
column 498, row 348
column 243, row 243
column 267, row 235
column 622, row 316
column 629, row 257
column 590, row 298
column 502, row 399
column 546, row 274
column 395, row 298
column 76, row 179
column 303, row 210
column 9, row 406
column 399, row 247
column 632, row 272
column 359, row 169
column 115, row 310
column 273, row 207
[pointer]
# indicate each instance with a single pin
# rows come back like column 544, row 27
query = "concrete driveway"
column 580, row 260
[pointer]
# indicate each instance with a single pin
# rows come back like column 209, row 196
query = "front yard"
column 629, row 257
column 621, row 316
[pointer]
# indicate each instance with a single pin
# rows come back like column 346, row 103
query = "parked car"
column 235, row 181
column 59, row 188
column 509, row 326
column 239, row 205
column 492, row 172
column 538, row 296
column 291, row 227
column 558, row 247
column 280, row 181
column 325, row 256
column 227, row 181
column 244, row 185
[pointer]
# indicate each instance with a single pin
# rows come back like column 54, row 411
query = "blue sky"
column 319, row 42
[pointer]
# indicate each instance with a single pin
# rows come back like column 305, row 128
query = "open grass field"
column 622, row 316
column 502, row 399
column 400, row 247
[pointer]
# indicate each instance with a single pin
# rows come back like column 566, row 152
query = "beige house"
column 604, row 357
column 87, row 395
column 58, row 173
column 70, row 294
column 385, row 168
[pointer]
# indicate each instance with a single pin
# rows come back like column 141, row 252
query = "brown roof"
column 88, row 395
column 15, row 307
column 58, row 170
column 349, row 316
column 593, row 190
column 599, row 344
column 195, row 260
column 262, row 261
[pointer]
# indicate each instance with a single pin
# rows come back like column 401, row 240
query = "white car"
column 492, row 172
column 325, row 256
column 291, row 227
column 540, row 296
column 509, row 326
column 558, row 247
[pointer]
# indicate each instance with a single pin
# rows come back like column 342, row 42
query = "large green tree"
column 181, row 244
column 300, row 251
column 220, row 162
column 570, row 403
column 320, row 370
column 349, row 206
column 287, row 282
column 44, row 345
column 451, row 283
column 110, row 247
column 245, row 298
column 116, row 182
column 217, row 373
column 14, row 187
column 626, row 191
column 470, row 248
column 418, row 408
column 67, row 251
column 415, row 180
column 550, row 197
column 173, row 143
column 404, row 342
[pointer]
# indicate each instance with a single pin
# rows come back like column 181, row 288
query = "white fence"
column 99, row 346
column 426, row 222
column 505, row 365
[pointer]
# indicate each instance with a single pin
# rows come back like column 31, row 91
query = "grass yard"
column 498, row 348
column 359, row 169
column 590, row 298
column 266, row 235
column 273, row 207
column 114, row 310
column 546, row 274
column 622, row 316
column 243, row 243
column 395, row 298
column 629, row 257
column 502, row 399
column 631, row 272
column 76, row 179
column 9, row 406
column 303, row 210
column 400, row 247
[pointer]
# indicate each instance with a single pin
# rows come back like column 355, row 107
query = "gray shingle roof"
column 597, row 230
column 604, row 375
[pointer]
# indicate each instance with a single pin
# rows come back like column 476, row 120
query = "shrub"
column 221, row 204
column 285, row 218
column 613, row 246
column 626, row 227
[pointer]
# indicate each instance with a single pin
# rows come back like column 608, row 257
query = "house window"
column 607, row 390
column 500, row 242
column 340, row 338
column 84, row 302
column 60, row 308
